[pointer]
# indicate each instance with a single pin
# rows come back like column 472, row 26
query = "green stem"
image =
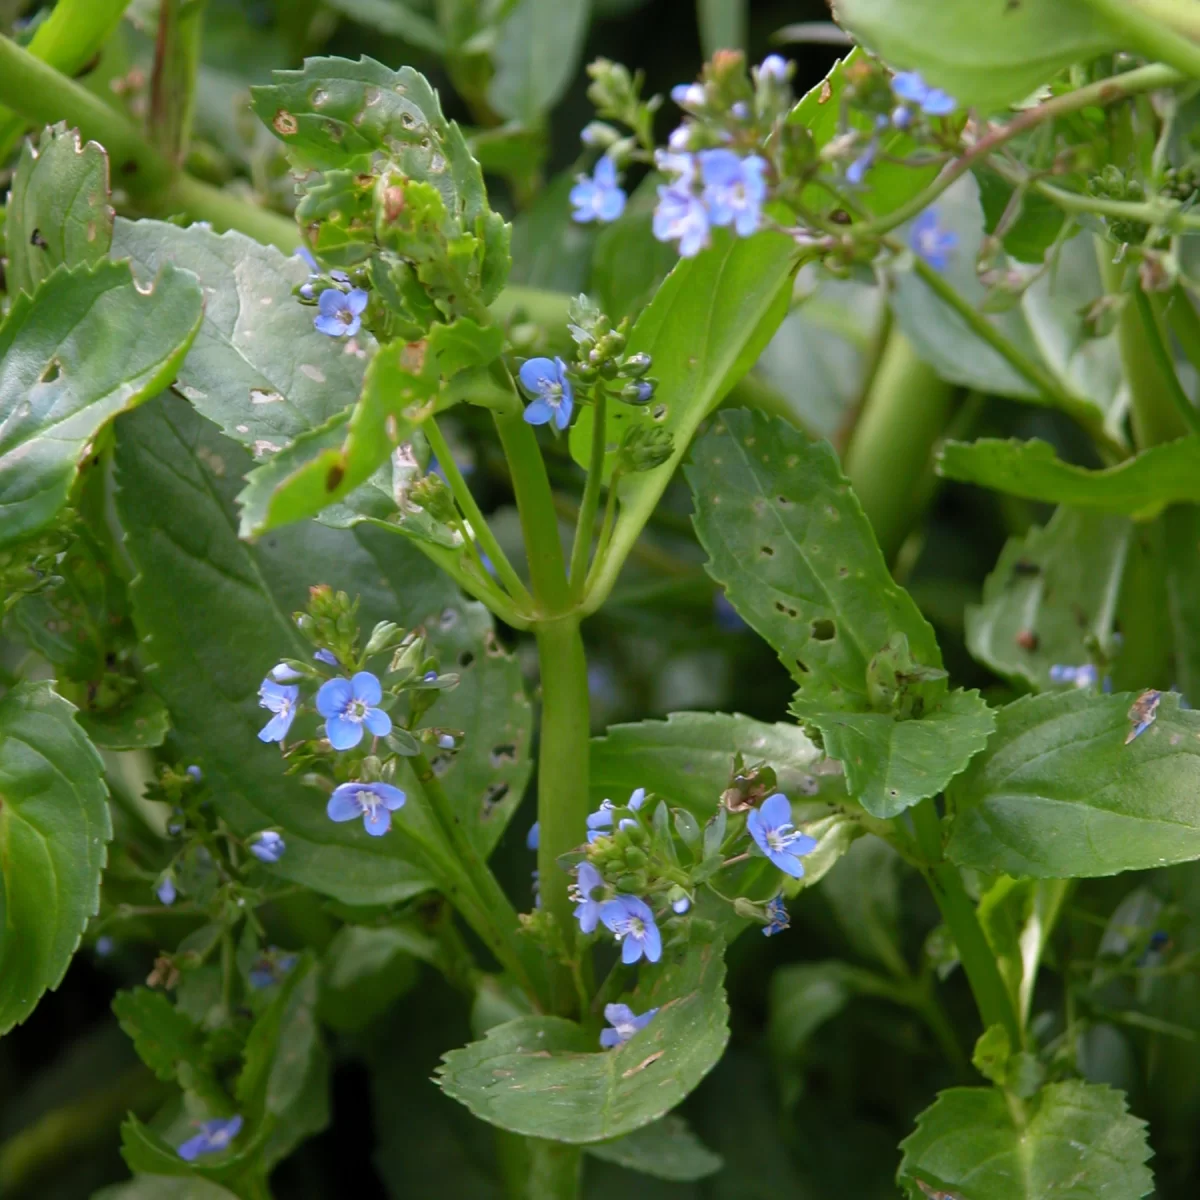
column 1146, row 35
column 471, row 510
column 1150, row 310
column 983, row 974
column 585, row 526
column 1081, row 410
column 889, row 456
column 224, row 210
column 1184, row 323
column 536, row 1169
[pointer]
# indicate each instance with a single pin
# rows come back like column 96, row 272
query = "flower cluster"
column 710, row 189
column 598, row 197
column 340, row 306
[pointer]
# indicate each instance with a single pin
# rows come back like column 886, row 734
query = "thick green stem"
column 1146, row 35
column 890, row 454
column 585, row 527
column 224, row 210
column 983, row 974
column 536, row 1169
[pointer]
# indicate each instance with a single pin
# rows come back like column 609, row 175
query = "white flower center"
column 356, row 710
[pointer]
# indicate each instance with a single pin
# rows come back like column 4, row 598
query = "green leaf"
column 535, row 56
column 140, row 723
column 364, row 971
column 553, row 252
column 688, row 759
column 666, row 1148
column 1070, row 1139
column 629, row 263
column 722, row 25
column 58, row 210
column 164, row 1187
column 257, row 368
column 864, row 894
column 1052, row 593
column 788, row 540
column 1060, row 793
column 396, row 19
column 891, row 765
column 176, row 478
column 704, row 330
column 87, row 345
column 544, row 1077
column 984, row 55
column 1182, row 532
column 1036, row 229
column 1138, row 487
column 54, row 833
column 163, row 1036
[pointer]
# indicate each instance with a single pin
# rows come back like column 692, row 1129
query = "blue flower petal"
column 609, row 1038
column 605, row 173
column 631, row 950
column 276, row 729
column 329, row 325
column 562, row 414
column 331, row 302
column 611, row 206
column 366, row 687
column 343, row 734
column 391, row 797
column 333, row 696
column 344, row 804
column 356, row 301
column 378, row 722
column 776, row 810
column 535, row 372
column 377, row 821
column 538, row 412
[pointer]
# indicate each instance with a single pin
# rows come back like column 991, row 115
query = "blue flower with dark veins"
column 778, row 914
column 631, row 920
column 601, row 820
column 587, row 908
column 349, row 704
column 734, row 189
column 549, row 388
column 268, row 846
column 930, row 241
column 773, row 832
column 339, row 314
column 374, row 802
column 281, row 700
column 625, row 1023
column 933, row 102
column 600, row 197
column 214, row 1136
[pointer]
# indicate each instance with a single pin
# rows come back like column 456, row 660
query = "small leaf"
column 54, row 834
column 58, row 210
column 984, row 55
column 396, row 19
column 545, row 1077
column 1069, row 1139
column 1059, row 792
column 163, row 1036
column 788, row 540
column 1051, row 593
column 87, row 345
column 891, row 765
column 536, row 55
column 666, row 1148
column 1138, row 487
column 140, row 723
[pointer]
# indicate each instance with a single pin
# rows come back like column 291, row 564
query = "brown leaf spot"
column 643, row 1064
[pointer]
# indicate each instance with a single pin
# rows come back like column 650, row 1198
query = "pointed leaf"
column 536, row 55
column 54, row 833
column 162, row 1035
column 666, row 1149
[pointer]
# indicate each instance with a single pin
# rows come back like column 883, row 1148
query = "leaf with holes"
column 1070, row 1139
column 54, row 833
column 544, row 1077
column 1053, row 595
column 257, row 368
column 1138, row 487
column 666, row 1149
column 87, row 345
column 984, row 55
column 890, row 765
column 58, row 210
column 176, row 481
column 1062, row 792
column 789, row 542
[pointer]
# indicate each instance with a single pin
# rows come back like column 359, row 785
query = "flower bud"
column 636, row 365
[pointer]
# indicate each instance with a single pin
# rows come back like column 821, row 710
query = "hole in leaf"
column 52, row 372
column 492, row 797
column 802, row 666
column 36, row 239
column 501, row 755
column 466, row 658
column 767, row 551
column 783, row 501
column 785, row 609
column 824, row 630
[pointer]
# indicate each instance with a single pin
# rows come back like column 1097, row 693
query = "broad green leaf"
column 545, row 1077
column 705, row 328
column 257, row 368
column 1138, row 487
column 163, row 1036
column 164, row 1187
column 140, row 723
column 1051, row 593
column 58, row 210
column 789, row 542
column 722, row 25
column 890, row 765
column 363, row 972
column 1038, row 227
column 54, row 833
column 550, row 250
column 1059, row 792
column 536, row 55
column 396, row 19
column 87, row 345
column 984, row 55
column 1070, row 1139
column 666, row 1148
column 1182, row 530
column 629, row 263
column 176, row 481
column 688, row 759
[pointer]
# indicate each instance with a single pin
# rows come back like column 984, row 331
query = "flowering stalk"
column 585, row 526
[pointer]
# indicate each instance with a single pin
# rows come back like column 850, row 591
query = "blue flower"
column 930, row 241
column 545, row 381
column 633, row 923
column 195, row 774
column 281, row 700
column 856, row 172
column 771, row 828
column 587, row 909
column 214, row 1136
column 104, row 946
column 1082, row 677
column 625, row 1023
column 680, row 215
column 446, row 741
column 268, row 846
column 348, row 705
column 304, row 254
column 775, row 68
column 374, row 802
column 741, row 110
column 602, row 818
column 734, row 189
column 165, row 891
column 599, row 198
column 271, row 968
column 688, row 95
column 429, row 677
column 532, row 837
column 327, row 657
column 681, row 905
column 778, row 914
column 933, row 102
column 282, row 673
column 340, row 313
column 680, row 139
